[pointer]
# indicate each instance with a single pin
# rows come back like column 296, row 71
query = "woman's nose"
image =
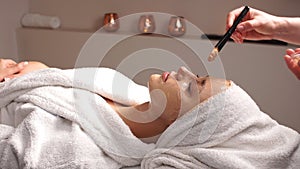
column 186, row 73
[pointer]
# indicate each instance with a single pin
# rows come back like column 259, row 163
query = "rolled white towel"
column 38, row 20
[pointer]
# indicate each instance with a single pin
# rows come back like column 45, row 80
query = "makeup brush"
column 226, row 37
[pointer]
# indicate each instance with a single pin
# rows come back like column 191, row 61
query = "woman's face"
column 183, row 90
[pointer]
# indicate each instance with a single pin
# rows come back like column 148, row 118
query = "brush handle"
column 230, row 31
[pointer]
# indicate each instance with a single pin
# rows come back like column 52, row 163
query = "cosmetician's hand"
column 8, row 68
column 256, row 25
column 292, row 62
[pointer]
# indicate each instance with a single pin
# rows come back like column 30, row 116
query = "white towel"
column 61, row 121
column 40, row 21
column 226, row 131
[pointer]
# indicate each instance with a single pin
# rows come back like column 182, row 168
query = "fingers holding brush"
column 256, row 25
column 231, row 17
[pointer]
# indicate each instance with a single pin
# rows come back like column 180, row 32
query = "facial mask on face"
column 184, row 85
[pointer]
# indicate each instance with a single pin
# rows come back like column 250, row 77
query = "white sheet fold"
column 66, row 123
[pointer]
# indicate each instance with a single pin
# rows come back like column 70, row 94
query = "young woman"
column 172, row 94
column 226, row 130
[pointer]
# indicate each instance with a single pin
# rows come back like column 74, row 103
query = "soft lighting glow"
column 146, row 24
column 111, row 22
column 177, row 26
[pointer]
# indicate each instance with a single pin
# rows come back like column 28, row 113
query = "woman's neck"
column 143, row 119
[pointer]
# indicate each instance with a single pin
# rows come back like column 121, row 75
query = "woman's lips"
column 165, row 76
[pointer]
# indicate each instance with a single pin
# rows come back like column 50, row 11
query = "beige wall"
column 259, row 69
column 10, row 14
column 208, row 15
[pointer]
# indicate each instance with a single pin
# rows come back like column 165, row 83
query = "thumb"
column 247, row 26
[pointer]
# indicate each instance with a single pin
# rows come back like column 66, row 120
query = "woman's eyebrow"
column 204, row 76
